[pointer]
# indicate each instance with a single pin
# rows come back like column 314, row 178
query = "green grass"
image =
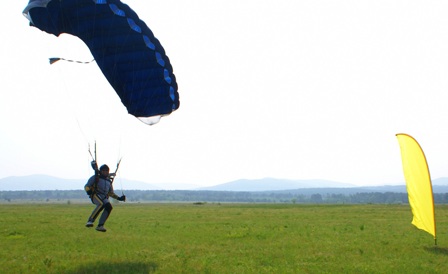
column 220, row 238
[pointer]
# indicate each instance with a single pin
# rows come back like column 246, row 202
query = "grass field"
column 220, row 238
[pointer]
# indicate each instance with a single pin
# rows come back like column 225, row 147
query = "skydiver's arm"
column 112, row 193
column 89, row 186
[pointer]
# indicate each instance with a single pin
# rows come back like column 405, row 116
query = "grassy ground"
column 220, row 238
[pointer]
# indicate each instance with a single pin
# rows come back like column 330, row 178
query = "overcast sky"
column 287, row 89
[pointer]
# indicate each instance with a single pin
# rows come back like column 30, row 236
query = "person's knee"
column 108, row 207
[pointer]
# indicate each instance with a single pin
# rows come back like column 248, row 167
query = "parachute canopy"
column 125, row 49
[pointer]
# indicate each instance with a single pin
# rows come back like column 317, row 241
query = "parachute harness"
column 94, row 165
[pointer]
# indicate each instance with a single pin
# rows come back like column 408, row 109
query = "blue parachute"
column 125, row 49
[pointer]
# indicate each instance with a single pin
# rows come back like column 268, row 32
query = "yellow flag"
column 418, row 184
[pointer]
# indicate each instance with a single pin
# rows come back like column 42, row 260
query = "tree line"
column 223, row 196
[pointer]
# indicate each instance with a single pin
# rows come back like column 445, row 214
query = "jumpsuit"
column 100, row 197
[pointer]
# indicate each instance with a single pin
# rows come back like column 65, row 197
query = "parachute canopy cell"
column 130, row 57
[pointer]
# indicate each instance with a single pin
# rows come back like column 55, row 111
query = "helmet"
column 104, row 167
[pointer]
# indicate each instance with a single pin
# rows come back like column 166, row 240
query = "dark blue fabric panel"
column 131, row 58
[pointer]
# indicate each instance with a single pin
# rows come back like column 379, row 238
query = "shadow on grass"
column 124, row 267
column 437, row 250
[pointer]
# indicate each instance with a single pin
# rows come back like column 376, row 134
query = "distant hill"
column 45, row 182
column 440, row 181
column 267, row 184
column 355, row 190
column 309, row 187
column 39, row 182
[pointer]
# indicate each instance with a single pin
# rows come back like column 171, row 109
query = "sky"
column 285, row 89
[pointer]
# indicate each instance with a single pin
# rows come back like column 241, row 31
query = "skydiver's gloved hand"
column 94, row 165
column 122, row 198
column 88, row 190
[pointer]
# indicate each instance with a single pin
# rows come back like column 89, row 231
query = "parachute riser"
column 116, row 171
column 94, row 160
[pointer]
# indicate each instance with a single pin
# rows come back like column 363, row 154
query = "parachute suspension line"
column 120, row 157
column 75, row 114
column 115, row 174
column 85, row 137
column 94, row 157
column 55, row 59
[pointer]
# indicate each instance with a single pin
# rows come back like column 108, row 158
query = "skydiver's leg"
column 99, row 207
column 105, row 215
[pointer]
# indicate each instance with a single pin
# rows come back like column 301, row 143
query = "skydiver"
column 99, row 188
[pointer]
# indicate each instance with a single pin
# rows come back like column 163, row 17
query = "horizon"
column 125, row 183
